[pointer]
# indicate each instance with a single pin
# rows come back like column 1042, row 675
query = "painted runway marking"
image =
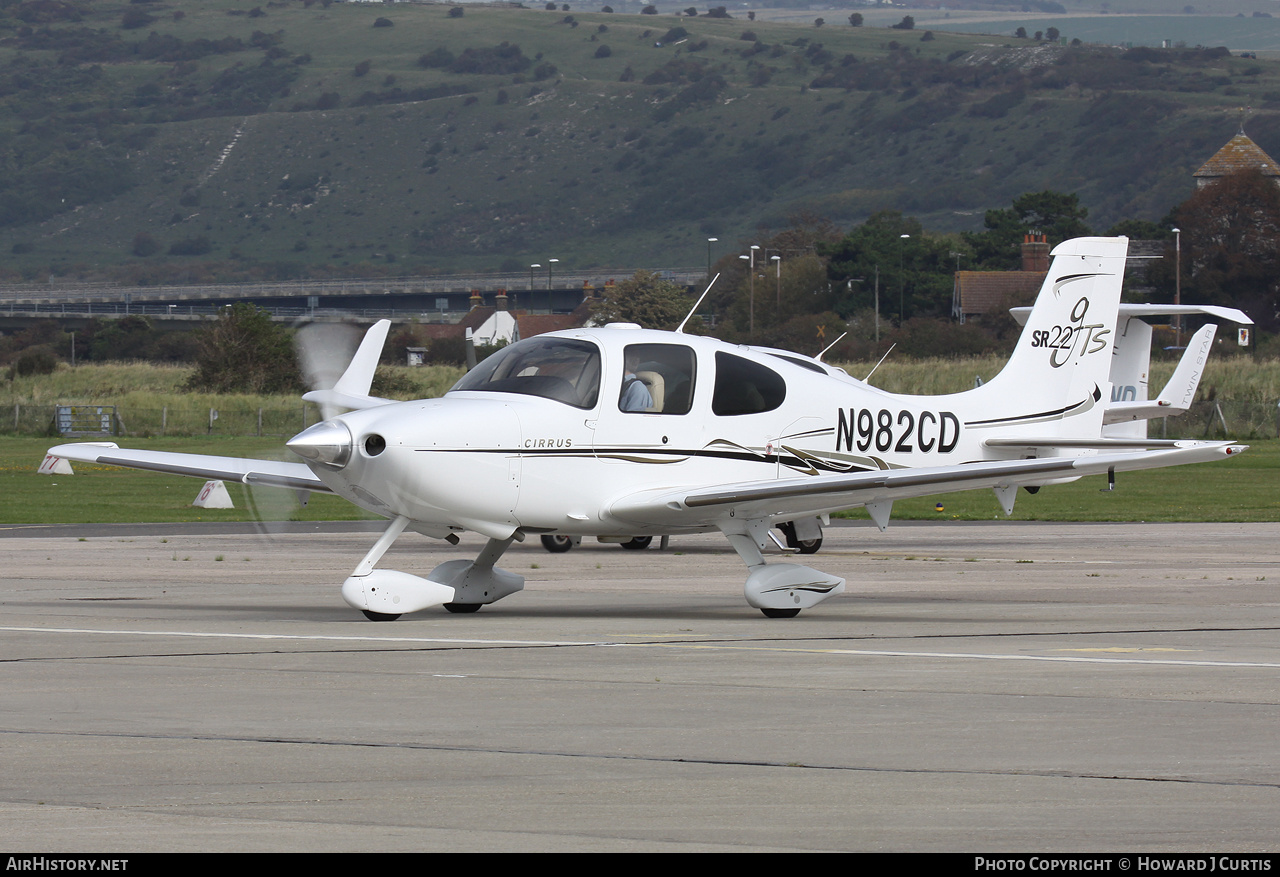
column 975, row 656
column 298, row 637
column 869, row 653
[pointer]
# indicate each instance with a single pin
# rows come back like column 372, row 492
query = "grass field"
column 1241, row 489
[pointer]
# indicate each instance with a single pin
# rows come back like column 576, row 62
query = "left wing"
column 270, row 473
column 822, row 494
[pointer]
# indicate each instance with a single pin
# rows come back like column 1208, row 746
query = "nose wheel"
column 378, row 616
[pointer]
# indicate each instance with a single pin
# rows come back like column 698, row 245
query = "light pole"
column 1177, row 288
column 551, row 263
column 877, row 303
column 902, row 279
column 777, row 264
column 710, row 241
column 531, row 267
column 751, row 322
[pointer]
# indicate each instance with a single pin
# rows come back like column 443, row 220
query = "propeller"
column 324, row 352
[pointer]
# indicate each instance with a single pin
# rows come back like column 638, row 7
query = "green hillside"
column 185, row 140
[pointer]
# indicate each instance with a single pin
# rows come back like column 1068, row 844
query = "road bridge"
column 439, row 298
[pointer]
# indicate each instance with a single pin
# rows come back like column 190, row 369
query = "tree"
column 243, row 351
column 646, row 299
column 1052, row 34
column 907, row 23
column 855, row 19
column 916, row 272
column 1058, row 215
column 1020, row 33
column 456, row 12
column 1231, row 245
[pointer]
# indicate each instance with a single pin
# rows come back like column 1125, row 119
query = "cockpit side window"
column 745, row 387
column 657, row 379
column 562, row 369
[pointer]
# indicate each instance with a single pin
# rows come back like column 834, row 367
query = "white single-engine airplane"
column 537, row 441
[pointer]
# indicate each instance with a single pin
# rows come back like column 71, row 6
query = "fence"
column 282, row 420
column 1243, row 420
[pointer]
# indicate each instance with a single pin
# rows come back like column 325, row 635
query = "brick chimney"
column 1035, row 252
column 500, row 300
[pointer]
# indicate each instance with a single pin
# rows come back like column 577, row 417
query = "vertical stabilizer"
column 1059, row 371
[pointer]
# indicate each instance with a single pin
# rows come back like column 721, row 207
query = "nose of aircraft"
column 327, row 443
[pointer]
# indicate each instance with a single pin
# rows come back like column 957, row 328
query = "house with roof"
column 1239, row 154
column 990, row 292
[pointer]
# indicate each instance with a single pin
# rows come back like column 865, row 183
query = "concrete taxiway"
column 981, row 687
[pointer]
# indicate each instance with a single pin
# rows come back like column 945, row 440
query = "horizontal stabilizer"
column 1139, row 310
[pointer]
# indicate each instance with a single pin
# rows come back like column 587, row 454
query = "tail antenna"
column 689, row 316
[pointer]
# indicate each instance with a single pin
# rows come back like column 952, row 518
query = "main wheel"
column 804, row 546
column 557, row 544
column 378, row 616
column 639, row 543
column 463, row 608
column 811, row 546
column 780, row 613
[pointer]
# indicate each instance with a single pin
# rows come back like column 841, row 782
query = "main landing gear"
column 461, row 586
column 779, row 590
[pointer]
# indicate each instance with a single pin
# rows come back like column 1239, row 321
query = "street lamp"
column 710, row 241
column 1177, row 288
column 550, row 265
column 531, row 267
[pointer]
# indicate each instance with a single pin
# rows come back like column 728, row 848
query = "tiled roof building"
column 1239, row 154
column 989, row 292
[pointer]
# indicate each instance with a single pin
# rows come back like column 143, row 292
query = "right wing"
column 269, row 473
column 784, row 499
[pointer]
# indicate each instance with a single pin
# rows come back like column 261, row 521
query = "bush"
column 38, row 360
column 245, row 352
column 455, row 12
column 604, row 51
column 145, row 245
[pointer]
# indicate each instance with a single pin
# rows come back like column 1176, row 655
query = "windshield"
column 555, row 368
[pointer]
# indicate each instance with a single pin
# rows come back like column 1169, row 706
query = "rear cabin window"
column 745, row 387
column 562, row 369
column 658, row 379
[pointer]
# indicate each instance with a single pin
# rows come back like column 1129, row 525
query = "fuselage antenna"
column 882, row 359
column 689, row 316
column 829, row 346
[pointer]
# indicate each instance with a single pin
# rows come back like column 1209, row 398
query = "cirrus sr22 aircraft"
column 537, row 440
